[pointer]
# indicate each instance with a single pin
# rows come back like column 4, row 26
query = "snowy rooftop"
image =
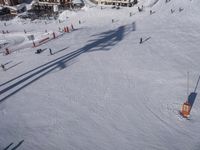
column 17, row 7
column 77, row 1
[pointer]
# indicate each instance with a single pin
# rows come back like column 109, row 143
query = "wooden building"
column 52, row 3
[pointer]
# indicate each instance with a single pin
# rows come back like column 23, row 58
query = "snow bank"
column 150, row 3
column 66, row 14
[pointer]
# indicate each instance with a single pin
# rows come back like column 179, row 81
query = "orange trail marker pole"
column 187, row 106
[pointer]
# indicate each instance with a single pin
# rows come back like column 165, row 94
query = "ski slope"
column 102, row 90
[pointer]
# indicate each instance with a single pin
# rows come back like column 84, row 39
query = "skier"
column 112, row 20
column 79, row 22
column 180, row 9
column 50, row 51
column 3, row 67
column 140, row 9
column 7, row 51
column 140, row 40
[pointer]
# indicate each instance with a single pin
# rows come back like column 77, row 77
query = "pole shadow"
column 193, row 95
column 191, row 98
column 102, row 42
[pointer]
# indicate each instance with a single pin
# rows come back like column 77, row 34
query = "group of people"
column 140, row 9
column 4, row 32
column 180, row 9
column 38, row 51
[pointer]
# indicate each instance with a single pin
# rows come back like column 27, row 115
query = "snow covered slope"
column 102, row 90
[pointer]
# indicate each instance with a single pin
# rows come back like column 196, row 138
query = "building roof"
column 77, row 2
column 17, row 7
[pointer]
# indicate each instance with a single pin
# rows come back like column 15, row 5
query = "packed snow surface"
column 101, row 89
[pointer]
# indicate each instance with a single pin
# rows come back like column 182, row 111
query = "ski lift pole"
column 196, row 85
column 187, row 84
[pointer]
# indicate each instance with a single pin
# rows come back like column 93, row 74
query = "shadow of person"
column 146, row 39
column 8, row 146
column 14, row 148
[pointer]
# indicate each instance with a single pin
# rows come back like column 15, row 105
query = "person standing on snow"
column 50, row 51
column 140, row 40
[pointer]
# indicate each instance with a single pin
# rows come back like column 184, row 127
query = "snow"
column 101, row 89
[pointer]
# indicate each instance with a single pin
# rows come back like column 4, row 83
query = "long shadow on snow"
column 14, row 65
column 104, row 42
column 8, row 146
column 18, row 145
column 15, row 147
column 193, row 95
